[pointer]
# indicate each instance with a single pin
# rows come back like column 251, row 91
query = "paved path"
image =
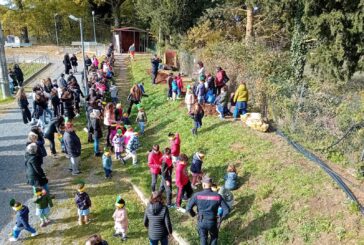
column 13, row 135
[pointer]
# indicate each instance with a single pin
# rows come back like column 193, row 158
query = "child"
column 118, row 113
column 125, row 119
column 189, row 98
column 22, row 221
column 129, row 132
column 141, row 118
column 107, row 163
column 175, row 142
column 118, row 142
column 174, row 89
column 201, row 91
column 169, row 83
column 196, row 169
column 179, row 85
column 231, row 178
column 23, row 105
column 131, row 148
column 197, row 116
column 114, row 93
column 166, row 173
column 182, row 181
column 83, row 203
column 121, row 219
column 228, row 198
column 43, row 202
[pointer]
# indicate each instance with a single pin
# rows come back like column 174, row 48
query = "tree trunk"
column 116, row 15
column 249, row 24
column 24, row 34
column 3, row 68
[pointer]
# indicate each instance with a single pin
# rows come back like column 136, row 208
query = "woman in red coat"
column 182, row 180
column 155, row 163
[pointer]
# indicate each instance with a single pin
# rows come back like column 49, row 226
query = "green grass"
column 28, row 70
column 281, row 198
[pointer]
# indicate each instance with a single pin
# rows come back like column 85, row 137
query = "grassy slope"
column 282, row 198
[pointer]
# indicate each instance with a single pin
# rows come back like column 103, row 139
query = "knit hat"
column 120, row 203
column 119, row 131
column 106, row 149
column 139, row 106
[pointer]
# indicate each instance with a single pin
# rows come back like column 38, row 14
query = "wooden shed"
column 124, row 37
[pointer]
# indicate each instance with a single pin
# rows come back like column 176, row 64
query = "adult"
column 67, row 102
column 47, row 86
column 155, row 163
column 208, row 203
column 109, row 119
column 155, row 66
column 62, row 83
column 67, row 64
column 74, row 63
column 88, row 62
column 134, row 97
column 23, row 103
column 33, row 167
column 220, row 79
column 132, row 51
column 96, row 240
column 73, row 148
column 201, row 70
column 241, row 97
column 157, row 220
column 53, row 127
column 18, row 75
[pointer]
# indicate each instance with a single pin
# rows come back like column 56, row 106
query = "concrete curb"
column 36, row 74
column 145, row 200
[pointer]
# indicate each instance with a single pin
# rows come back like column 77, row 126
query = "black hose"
column 325, row 167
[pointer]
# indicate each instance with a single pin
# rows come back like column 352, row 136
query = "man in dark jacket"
column 34, row 172
column 208, row 203
column 157, row 220
column 19, row 75
column 155, row 65
column 73, row 148
column 22, row 221
column 53, row 128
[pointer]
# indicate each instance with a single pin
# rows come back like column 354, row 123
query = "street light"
column 93, row 20
column 55, row 26
column 83, row 52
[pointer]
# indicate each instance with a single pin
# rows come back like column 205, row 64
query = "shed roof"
column 129, row 29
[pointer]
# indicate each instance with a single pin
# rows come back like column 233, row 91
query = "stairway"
column 121, row 76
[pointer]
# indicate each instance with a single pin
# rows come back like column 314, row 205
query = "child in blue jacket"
column 107, row 163
column 231, row 178
column 22, row 221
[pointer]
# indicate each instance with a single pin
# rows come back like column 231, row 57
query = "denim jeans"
column 107, row 172
column 154, row 181
column 45, row 112
column 141, row 127
column 131, row 154
column 96, row 145
column 240, row 108
column 164, row 241
column 17, row 230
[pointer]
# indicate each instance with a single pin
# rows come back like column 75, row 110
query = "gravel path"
column 13, row 135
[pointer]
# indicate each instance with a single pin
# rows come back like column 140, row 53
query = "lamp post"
column 55, row 26
column 4, row 81
column 93, row 20
column 83, row 52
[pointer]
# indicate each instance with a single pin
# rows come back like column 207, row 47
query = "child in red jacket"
column 175, row 146
column 182, row 181
column 155, row 163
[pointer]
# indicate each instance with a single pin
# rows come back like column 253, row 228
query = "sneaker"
column 13, row 239
column 116, row 235
column 77, row 173
column 194, row 187
column 171, row 205
column 70, row 170
column 85, row 129
column 122, row 160
column 124, row 238
column 43, row 224
column 67, row 156
column 34, row 234
column 182, row 210
column 77, row 115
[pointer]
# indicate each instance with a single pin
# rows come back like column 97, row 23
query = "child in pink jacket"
column 121, row 219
